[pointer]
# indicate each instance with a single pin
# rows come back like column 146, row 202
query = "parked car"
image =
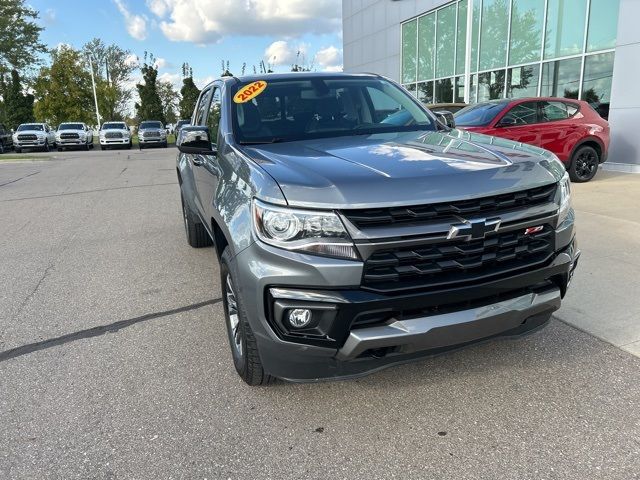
column 115, row 134
column 449, row 107
column 150, row 133
column 569, row 128
column 34, row 136
column 6, row 139
column 179, row 125
column 347, row 244
column 74, row 134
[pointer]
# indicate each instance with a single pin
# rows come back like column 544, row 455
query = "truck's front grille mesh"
column 27, row 137
column 66, row 136
column 487, row 206
column 454, row 263
column 113, row 135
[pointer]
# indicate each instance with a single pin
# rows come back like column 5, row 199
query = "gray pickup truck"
column 355, row 231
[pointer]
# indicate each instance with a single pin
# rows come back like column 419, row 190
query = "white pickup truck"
column 74, row 134
column 115, row 134
column 34, row 136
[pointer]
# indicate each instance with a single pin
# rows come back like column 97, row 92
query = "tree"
column 112, row 68
column 63, row 90
column 169, row 98
column 150, row 106
column 19, row 36
column 189, row 93
column 17, row 107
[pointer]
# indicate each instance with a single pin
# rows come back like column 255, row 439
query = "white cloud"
column 136, row 24
column 161, row 63
column 132, row 59
column 329, row 59
column 283, row 53
column 49, row 16
column 158, row 7
column 207, row 21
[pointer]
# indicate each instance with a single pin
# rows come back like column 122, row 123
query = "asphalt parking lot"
column 114, row 362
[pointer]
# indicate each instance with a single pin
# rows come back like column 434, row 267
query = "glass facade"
column 519, row 48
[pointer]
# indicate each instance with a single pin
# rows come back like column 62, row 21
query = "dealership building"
column 475, row 50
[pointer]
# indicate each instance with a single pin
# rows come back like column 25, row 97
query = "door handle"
column 198, row 161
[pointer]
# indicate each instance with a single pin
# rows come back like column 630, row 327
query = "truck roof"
column 296, row 76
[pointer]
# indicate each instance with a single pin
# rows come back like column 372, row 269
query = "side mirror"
column 195, row 140
column 445, row 117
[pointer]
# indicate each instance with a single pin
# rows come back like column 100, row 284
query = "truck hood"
column 31, row 132
column 403, row 168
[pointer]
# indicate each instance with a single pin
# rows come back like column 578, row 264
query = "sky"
column 203, row 32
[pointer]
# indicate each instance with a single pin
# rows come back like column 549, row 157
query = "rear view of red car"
column 569, row 128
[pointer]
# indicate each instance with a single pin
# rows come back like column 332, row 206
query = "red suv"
column 569, row 128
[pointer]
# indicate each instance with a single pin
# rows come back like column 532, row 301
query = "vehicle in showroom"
column 571, row 129
column 74, row 135
column 6, row 139
column 150, row 133
column 115, row 134
column 34, row 136
column 347, row 244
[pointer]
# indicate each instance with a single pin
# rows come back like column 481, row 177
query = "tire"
column 104, row 147
column 60, row 149
column 86, row 147
column 140, row 146
column 17, row 150
column 1, row 148
column 165, row 145
column 244, row 349
column 130, row 145
column 584, row 164
column 46, row 146
column 197, row 235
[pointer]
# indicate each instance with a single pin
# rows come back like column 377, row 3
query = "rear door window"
column 554, row 111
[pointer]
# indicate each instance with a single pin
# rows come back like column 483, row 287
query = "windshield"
column 30, row 126
column 144, row 125
column 292, row 109
column 480, row 114
column 71, row 126
column 114, row 126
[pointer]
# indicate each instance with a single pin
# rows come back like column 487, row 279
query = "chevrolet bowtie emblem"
column 474, row 229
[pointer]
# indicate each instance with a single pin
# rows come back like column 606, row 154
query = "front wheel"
column 584, row 164
column 17, row 150
column 244, row 349
column 46, row 146
column 130, row 145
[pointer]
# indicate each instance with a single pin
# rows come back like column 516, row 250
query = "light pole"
column 93, row 83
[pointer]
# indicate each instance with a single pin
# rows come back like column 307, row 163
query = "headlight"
column 315, row 232
column 40, row 136
column 565, row 198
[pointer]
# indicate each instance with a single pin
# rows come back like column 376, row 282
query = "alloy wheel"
column 586, row 164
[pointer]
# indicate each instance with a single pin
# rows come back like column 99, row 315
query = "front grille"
column 66, row 136
column 27, row 137
column 448, row 263
column 151, row 134
column 488, row 206
column 113, row 135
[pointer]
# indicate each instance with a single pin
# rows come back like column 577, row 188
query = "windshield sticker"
column 250, row 91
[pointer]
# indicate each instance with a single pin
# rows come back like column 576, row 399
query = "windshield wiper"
column 259, row 142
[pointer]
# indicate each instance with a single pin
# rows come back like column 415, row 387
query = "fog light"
column 299, row 317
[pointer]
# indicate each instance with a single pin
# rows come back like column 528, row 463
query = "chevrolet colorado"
column 351, row 238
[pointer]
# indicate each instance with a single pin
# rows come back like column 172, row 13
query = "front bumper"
column 29, row 143
column 115, row 141
column 152, row 140
column 415, row 324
